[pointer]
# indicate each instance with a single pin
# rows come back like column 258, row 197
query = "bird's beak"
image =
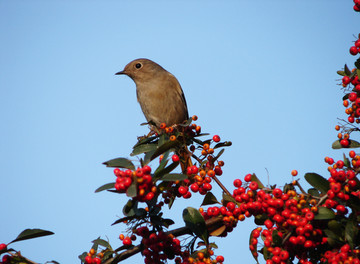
column 120, row 72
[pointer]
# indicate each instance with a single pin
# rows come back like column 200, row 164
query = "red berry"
column 146, row 169
column 353, row 50
column 175, row 158
column 230, row 206
column 346, row 80
column 88, row 259
column 220, row 258
column 3, row 247
column 194, row 187
column 247, row 178
column 183, row 190
column 352, row 97
column 96, row 260
column 237, row 183
column 127, row 241
column 216, row 138
column 357, row 43
column 253, row 186
column 344, row 142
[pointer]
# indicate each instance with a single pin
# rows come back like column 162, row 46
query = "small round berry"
column 3, row 247
column 216, row 138
column 175, row 158
column 247, row 177
column 353, row 50
column 294, row 173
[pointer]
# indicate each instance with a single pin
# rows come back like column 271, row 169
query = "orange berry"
column 314, row 209
column 346, row 103
column 206, row 146
column 172, row 138
column 200, row 255
column 211, row 173
column 352, row 154
column 194, row 117
column 337, row 127
column 346, row 136
column 162, row 126
column 221, row 163
column 294, row 173
column 339, row 136
column 201, row 210
column 121, row 236
column 198, row 129
column 211, row 151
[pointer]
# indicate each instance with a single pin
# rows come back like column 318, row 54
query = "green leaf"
column 209, row 199
column 342, row 73
column 336, row 145
column 358, row 70
column 120, row 163
column 167, row 222
column 228, row 198
column 31, row 233
column 163, row 162
column 317, row 181
column 223, row 144
column 353, row 144
column 276, row 238
column 102, row 242
column 164, row 147
column 357, row 65
column 174, row 177
column 314, row 192
column 132, row 190
column 218, row 155
column 165, row 171
column 196, row 223
column 105, row 187
column 145, row 140
column 347, row 70
column 324, row 214
column 143, row 148
column 351, row 230
column 346, row 161
column 129, row 208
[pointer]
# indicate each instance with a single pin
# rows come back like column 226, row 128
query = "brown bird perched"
column 158, row 91
column 161, row 98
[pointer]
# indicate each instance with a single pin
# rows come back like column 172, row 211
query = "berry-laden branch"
column 318, row 225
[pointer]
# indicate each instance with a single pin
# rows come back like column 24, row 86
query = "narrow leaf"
column 324, row 214
column 174, row 177
column 317, row 181
column 347, row 70
column 163, row 148
column 120, row 163
column 165, row 171
column 342, row 73
column 102, row 242
column 218, row 231
column 223, row 144
column 132, row 190
column 104, row 187
column 196, row 223
column 143, row 148
column 357, row 65
column 209, row 199
column 31, row 233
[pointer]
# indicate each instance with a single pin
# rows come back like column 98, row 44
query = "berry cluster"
column 159, row 246
column 6, row 259
column 342, row 255
column 357, row 5
column 141, row 178
column 354, row 50
column 93, row 258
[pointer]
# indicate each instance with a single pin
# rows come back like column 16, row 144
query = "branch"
column 176, row 232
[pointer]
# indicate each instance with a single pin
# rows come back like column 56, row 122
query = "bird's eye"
column 138, row 65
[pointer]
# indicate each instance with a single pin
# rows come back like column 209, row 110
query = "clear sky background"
column 259, row 73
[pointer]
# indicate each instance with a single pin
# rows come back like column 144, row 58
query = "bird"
column 158, row 92
column 161, row 98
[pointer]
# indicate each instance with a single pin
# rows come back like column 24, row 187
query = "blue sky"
column 259, row 73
